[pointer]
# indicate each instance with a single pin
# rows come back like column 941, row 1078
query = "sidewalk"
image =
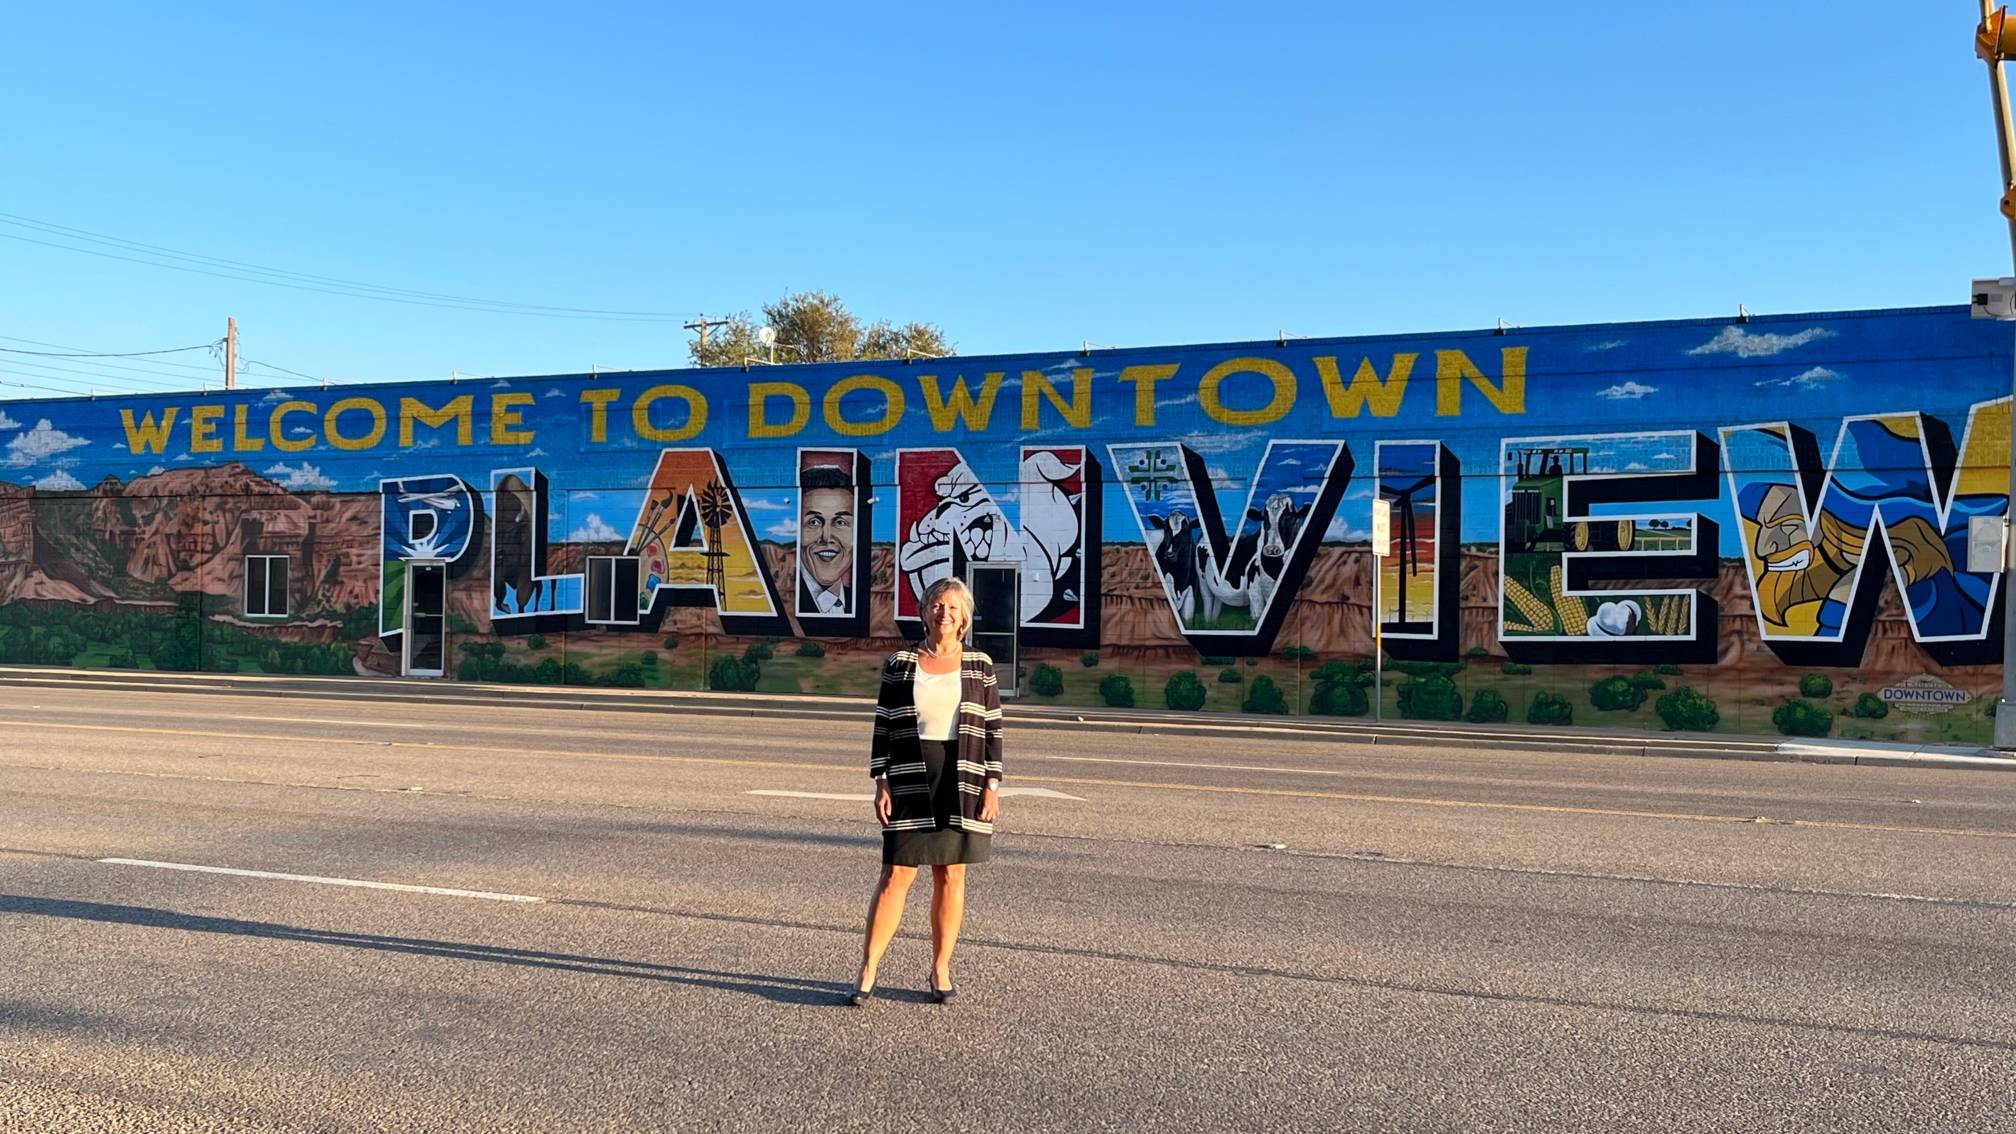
column 1025, row 716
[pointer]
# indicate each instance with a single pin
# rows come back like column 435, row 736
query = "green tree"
column 1818, row 686
column 1799, row 717
column 1550, row 708
column 1870, row 707
column 1616, row 693
column 1184, row 692
column 815, row 326
column 1430, row 699
column 728, row 673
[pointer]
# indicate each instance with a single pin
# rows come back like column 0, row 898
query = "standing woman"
column 936, row 759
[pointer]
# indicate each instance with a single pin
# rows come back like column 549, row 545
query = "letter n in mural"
column 1230, row 588
column 692, row 542
column 1418, row 585
column 1567, row 524
column 947, row 518
column 519, row 586
column 424, row 518
column 1805, row 550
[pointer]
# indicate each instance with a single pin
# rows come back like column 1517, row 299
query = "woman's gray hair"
column 950, row 584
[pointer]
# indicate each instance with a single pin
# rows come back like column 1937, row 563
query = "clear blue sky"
column 1128, row 174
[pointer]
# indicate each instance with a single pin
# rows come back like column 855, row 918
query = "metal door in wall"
column 426, row 649
column 997, row 606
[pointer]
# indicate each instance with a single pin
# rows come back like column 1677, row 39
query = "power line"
column 304, row 281
column 108, row 354
column 163, row 363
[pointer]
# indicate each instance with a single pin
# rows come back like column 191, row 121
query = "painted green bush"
column 1116, row 691
column 1046, row 681
column 648, row 659
column 1616, row 694
column 1230, row 675
column 1799, row 717
column 1184, row 692
column 1488, row 707
column 1646, row 681
column 810, row 650
column 759, row 652
column 1340, row 691
column 1818, row 686
column 1088, row 659
column 1430, row 699
column 1263, row 696
column 1515, row 669
column 1687, row 710
column 536, row 642
column 733, row 674
column 1870, row 707
column 1550, row 709
column 1667, row 668
column 1298, row 653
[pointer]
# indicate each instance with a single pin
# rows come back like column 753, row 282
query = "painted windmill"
column 1410, row 540
column 716, row 509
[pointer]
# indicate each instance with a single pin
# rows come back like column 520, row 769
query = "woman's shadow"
column 785, row 990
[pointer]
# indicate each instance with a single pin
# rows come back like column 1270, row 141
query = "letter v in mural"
column 1805, row 549
column 1230, row 588
column 693, row 544
column 1566, row 524
column 421, row 518
column 520, row 589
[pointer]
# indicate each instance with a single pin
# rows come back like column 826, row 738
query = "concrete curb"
column 1109, row 722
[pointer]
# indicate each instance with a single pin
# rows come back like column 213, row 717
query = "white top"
column 937, row 697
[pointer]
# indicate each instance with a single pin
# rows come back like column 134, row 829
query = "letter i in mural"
column 423, row 518
column 1422, row 483
column 947, row 518
column 519, row 586
column 834, row 568
column 1231, row 588
column 1558, row 537
column 692, row 542
column 1805, row 550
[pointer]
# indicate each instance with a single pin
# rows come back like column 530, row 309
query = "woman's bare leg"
column 948, row 909
column 885, row 914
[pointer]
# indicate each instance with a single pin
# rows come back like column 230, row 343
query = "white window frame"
column 263, row 564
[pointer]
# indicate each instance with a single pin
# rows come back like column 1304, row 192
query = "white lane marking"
column 1038, row 792
column 441, row 890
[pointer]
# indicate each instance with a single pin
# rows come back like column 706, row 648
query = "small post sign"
column 1382, row 528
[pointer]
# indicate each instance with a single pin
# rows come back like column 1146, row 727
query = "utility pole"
column 1995, row 41
column 702, row 324
column 231, row 353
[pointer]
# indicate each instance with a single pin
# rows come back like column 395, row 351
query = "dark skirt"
column 946, row 845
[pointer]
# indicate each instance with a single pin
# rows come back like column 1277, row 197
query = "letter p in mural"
column 421, row 518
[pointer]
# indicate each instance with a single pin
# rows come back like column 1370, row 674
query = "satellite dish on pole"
column 767, row 336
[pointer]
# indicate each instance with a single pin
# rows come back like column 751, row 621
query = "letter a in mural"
column 519, row 586
column 1231, row 589
column 1554, row 543
column 692, row 542
column 424, row 518
column 947, row 518
column 834, row 564
column 1804, row 552
column 1422, row 483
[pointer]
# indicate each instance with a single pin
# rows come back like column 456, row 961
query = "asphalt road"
column 1174, row 935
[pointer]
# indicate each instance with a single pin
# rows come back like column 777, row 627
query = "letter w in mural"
column 1805, row 548
column 693, row 543
column 1230, row 588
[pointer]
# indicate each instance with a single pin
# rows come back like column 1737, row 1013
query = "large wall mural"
column 1761, row 525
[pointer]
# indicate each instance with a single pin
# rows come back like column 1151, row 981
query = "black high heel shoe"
column 858, row 998
column 942, row 995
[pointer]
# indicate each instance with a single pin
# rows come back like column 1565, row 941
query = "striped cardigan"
column 894, row 752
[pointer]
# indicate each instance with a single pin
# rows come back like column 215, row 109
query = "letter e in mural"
column 1231, row 589
column 1553, row 543
column 1804, row 552
column 519, row 586
column 694, row 543
column 421, row 518
column 833, row 549
column 1418, row 586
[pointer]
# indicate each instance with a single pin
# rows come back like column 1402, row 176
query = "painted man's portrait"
column 826, row 533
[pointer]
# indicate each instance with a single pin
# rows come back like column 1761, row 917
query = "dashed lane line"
column 1137, row 785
